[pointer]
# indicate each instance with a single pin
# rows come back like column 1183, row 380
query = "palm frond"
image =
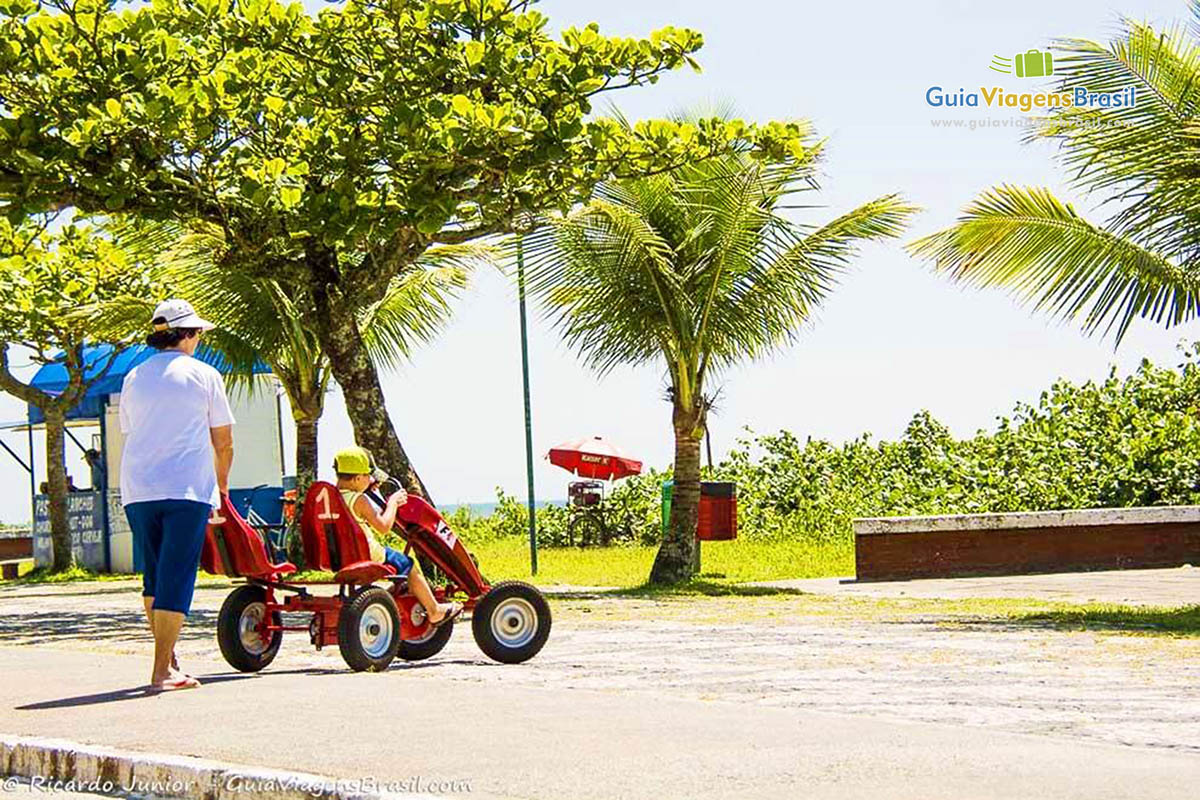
column 1146, row 155
column 1036, row 246
column 698, row 267
column 417, row 304
column 604, row 255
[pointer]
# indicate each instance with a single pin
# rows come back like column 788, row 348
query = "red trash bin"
column 718, row 512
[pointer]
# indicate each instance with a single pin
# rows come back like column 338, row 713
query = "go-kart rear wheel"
column 369, row 630
column 511, row 622
column 428, row 645
column 238, row 624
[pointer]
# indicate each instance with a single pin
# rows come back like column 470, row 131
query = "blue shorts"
column 171, row 535
column 397, row 559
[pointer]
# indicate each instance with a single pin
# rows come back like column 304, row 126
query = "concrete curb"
column 105, row 770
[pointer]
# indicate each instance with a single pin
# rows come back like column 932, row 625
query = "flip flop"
column 451, row 615
column 175, row 684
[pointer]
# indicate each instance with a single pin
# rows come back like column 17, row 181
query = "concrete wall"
column 16, row 546
column 965, row 545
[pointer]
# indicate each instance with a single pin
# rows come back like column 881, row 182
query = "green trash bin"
column 668, row 488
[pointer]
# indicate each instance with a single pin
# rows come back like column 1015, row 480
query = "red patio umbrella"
column 593, row 457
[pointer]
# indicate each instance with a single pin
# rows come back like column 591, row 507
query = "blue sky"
column 893, row 339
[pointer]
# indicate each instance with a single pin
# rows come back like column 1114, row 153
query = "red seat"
column 334, row 541
column 233, row 548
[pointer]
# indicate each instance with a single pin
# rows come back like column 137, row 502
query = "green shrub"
column 1120, row 442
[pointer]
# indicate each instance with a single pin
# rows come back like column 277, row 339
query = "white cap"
column 179, row 314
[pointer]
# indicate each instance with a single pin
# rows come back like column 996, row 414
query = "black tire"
column 511, row 622
column 587, row 530
column 243, row 649
column 369, row 630
column 428, row 647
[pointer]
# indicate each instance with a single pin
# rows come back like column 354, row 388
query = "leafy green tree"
column 697, row 270
column 44, row 279
column 1143, row 159
column 334, row 150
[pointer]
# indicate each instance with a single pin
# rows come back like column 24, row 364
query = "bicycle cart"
column 596, row 460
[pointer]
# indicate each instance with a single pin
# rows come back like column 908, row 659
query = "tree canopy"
column 45, row 280
column 332, row 150
column 374, row 128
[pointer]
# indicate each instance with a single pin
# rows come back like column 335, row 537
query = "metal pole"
column 279, row 430
column 533, row 561
column 71, row 436
column 102, row 489
column 32, row 480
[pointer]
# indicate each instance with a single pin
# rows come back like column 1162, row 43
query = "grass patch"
column 706, row 587
column 31, row 575
column 1184, row 621
column 722, row 563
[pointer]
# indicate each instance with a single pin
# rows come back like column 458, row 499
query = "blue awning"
column 53, row 379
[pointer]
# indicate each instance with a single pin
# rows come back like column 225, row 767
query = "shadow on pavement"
column 92, row 591
column 118, row 695
column 45, row 627
column 114, row 696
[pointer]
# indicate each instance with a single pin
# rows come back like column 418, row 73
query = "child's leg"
column 417, row 584
column 424, row 594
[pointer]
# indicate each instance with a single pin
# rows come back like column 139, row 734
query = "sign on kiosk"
column 85, row 518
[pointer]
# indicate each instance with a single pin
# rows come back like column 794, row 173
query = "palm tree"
column 260, row 319
column 696, row 270
column 1143, row 160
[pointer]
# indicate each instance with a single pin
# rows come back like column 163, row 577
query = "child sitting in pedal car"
column 355, row 475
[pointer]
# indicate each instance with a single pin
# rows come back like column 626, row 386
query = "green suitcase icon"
column 1034, row 64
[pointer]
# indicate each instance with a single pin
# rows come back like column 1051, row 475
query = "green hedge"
column 1121, row 442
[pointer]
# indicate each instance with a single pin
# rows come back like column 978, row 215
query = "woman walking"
column 174, row 469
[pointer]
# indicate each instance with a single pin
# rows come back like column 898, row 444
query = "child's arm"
column 380, row 522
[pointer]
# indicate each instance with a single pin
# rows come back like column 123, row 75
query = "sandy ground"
column 833, row 654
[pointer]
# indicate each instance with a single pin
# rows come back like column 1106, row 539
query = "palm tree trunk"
column 306, row 422
column 306, row 452
column 56, row 480
column 341, row 341
column 675, row 561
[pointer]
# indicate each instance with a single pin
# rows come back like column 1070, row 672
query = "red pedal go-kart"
column 370, row 624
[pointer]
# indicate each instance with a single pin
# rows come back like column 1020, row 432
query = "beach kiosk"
column 100, row 534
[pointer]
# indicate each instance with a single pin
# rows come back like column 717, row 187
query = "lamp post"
column 533, row 561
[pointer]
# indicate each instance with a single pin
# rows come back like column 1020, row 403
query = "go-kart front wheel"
column 239, row 629
column 369, row 630
column 511, row 622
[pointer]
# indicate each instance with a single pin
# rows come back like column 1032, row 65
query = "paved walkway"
column 1141, row 587
column 696, row 698
column 510, row 741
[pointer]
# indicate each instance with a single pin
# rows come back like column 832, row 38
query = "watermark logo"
column 1030, row 64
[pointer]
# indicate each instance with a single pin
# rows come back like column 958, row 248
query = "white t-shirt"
column 168, row 404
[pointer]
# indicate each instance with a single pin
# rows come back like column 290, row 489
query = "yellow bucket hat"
column 352, row 461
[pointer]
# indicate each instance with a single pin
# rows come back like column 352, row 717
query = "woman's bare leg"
column 167, row 625
column 148, row 602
